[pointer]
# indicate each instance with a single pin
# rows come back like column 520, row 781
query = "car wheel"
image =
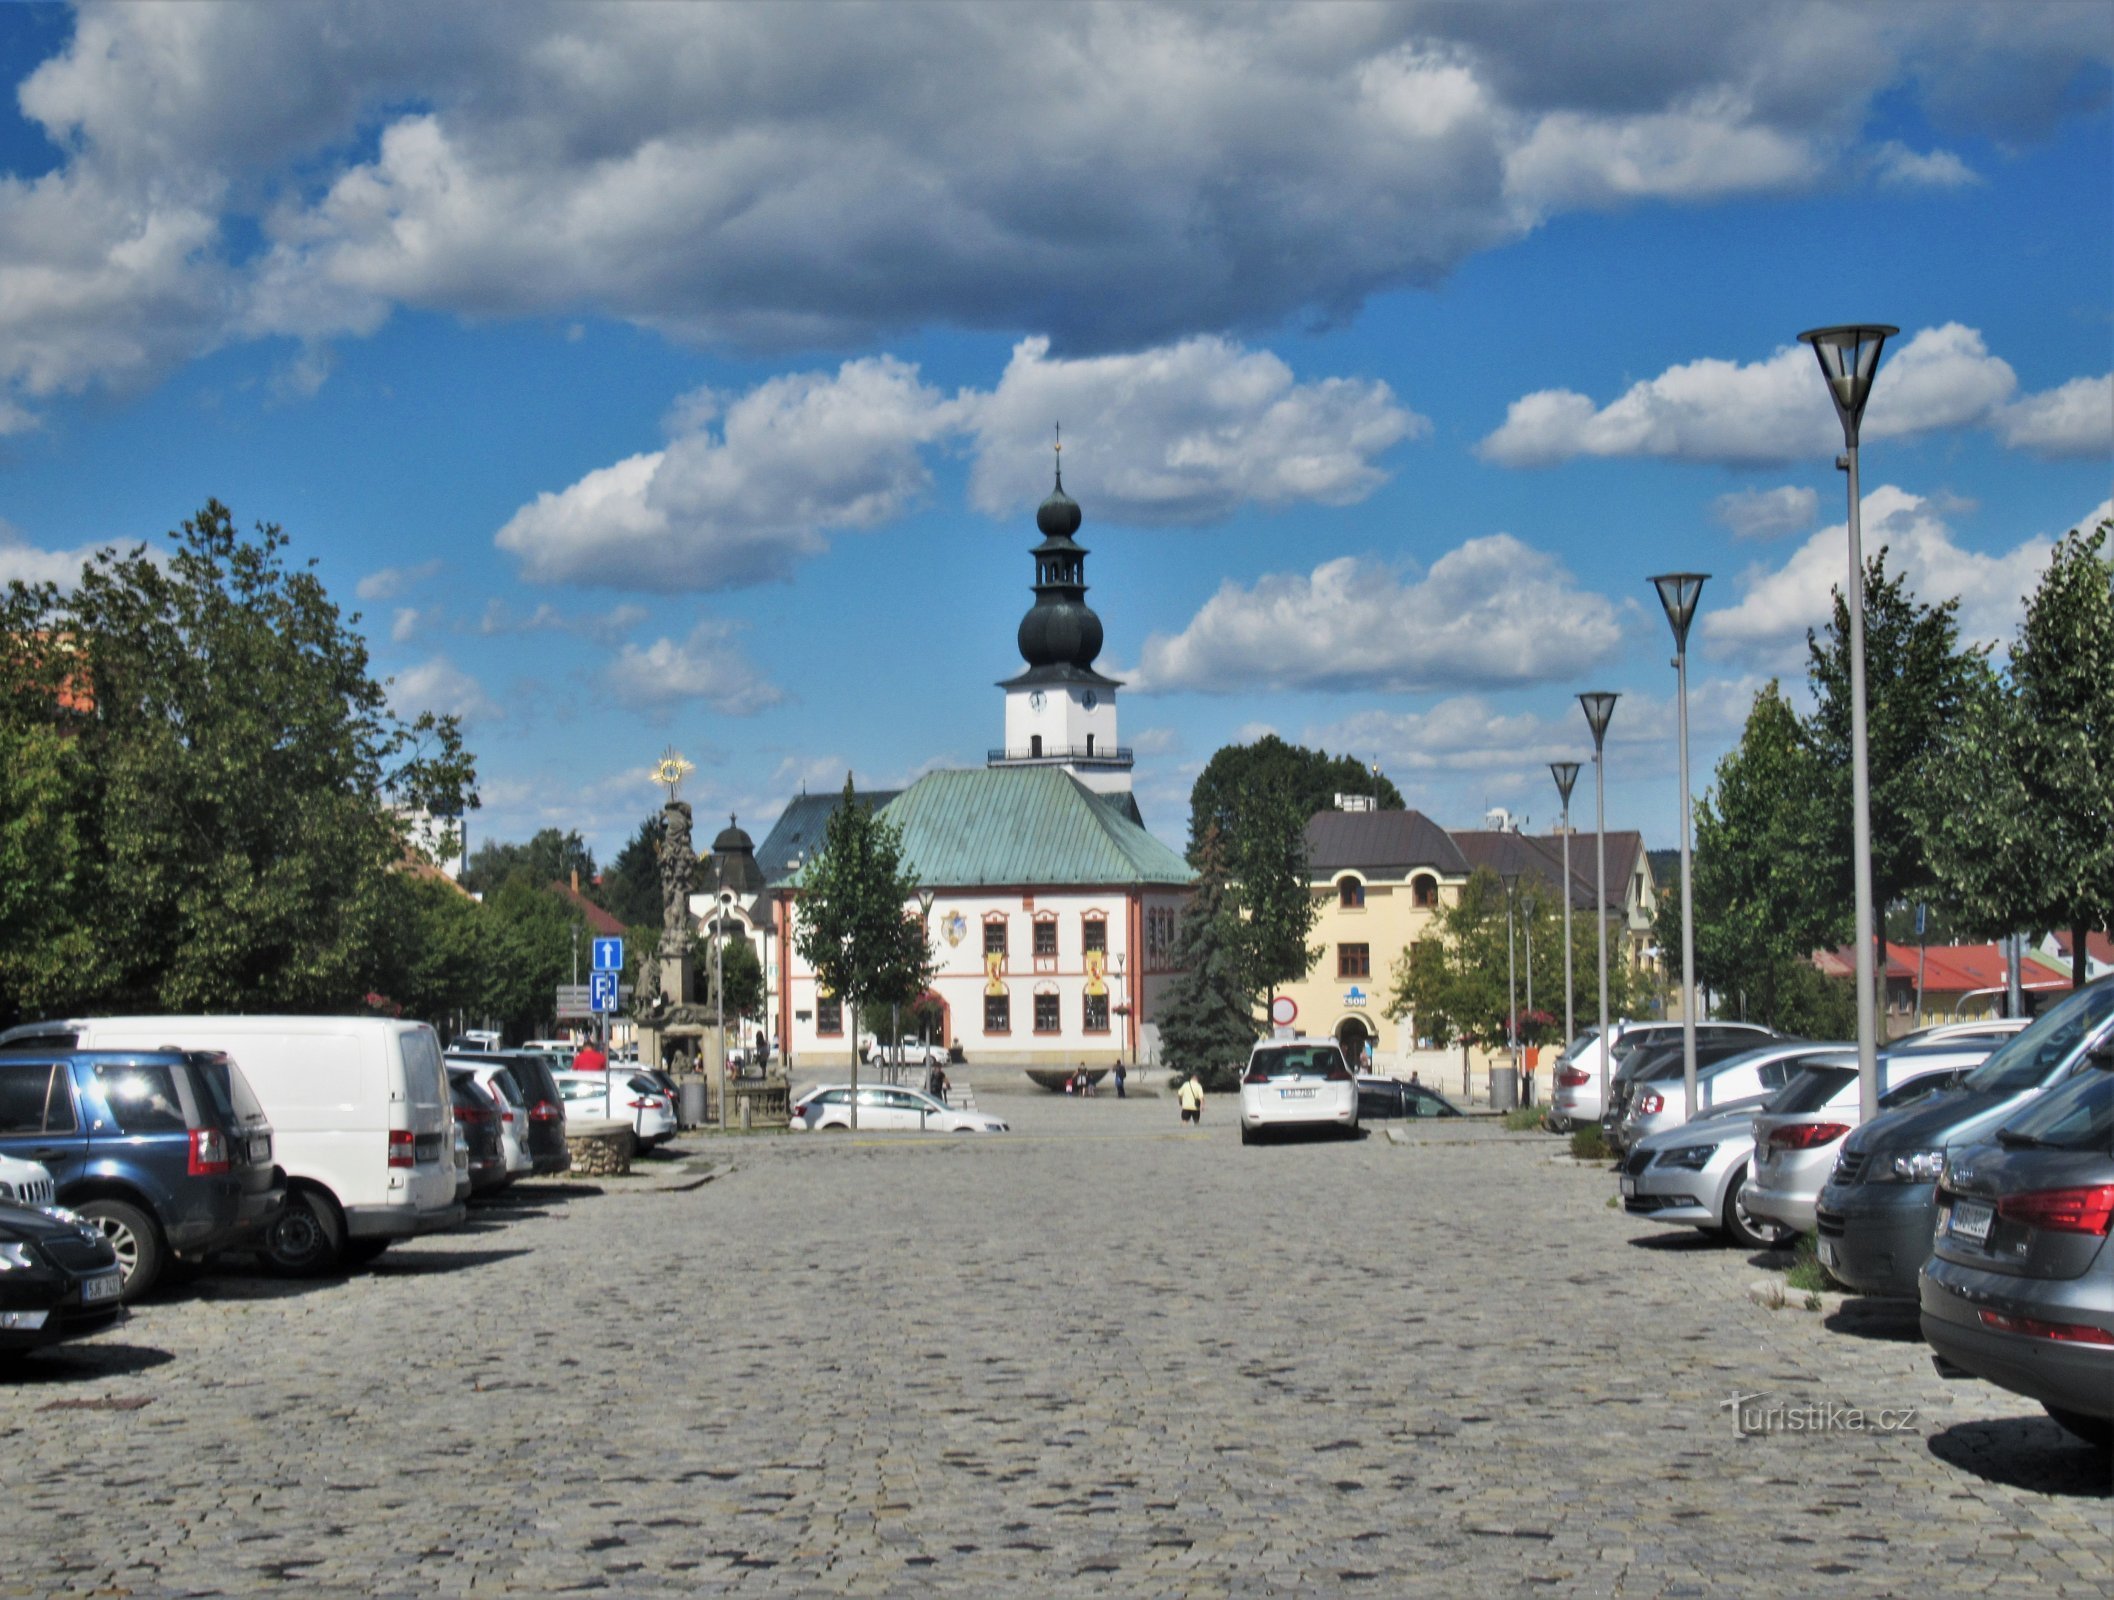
column 2096, row 1431
column 135, row 1238
column 306, row 1240
column 1756, row 1233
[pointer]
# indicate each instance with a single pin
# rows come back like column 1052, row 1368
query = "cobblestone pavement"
column 1098, row 1355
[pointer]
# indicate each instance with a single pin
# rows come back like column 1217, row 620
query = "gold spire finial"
column 670, row 771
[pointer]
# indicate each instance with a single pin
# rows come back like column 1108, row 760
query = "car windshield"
column 1811, row 1090
column 508, row 1089
column 2025, row 1060
column 1295, row 1061
column 2077, row 1116
column 1577, row 1047
column 1916, row 1088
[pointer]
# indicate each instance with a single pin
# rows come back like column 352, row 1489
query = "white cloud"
column 388, row 583
column 21, row 561
column 1767, row 626
column 438, row 685
column 1766, row 513
column 2076, row 419
column 1182, row 434
column 1156, row 741
column 707, row 666
column 1764, row 413
column 1119, row 176
column 1899, row 167
column 1493, row 611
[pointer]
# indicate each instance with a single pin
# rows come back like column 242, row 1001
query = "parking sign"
column 609, row 955
column 602, row 991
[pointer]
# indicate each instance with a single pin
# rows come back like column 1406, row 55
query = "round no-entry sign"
column 1284, row 1011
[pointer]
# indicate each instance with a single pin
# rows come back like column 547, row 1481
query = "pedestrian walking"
column 1191, row 1097
column 1119, row 1080
column 589, row 1059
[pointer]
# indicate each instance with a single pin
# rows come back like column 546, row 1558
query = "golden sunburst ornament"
column 671, row 770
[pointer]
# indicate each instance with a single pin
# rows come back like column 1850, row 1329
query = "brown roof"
column 1537, row 857
column 598, row 921
column 1387, row 843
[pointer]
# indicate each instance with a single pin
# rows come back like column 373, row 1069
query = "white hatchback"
column 887, row 1107
column 1292, row 1083
column 619, row 1096
column 509, row 1107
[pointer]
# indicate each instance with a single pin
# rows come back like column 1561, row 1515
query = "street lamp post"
column 1566, row 774
column 1599, row 706
column 1511, row 880
column 1678, row 593
column 1849, row 359
column 719, row 997
column 1526, row 937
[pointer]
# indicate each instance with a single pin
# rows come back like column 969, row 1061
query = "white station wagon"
column 1293, row 1083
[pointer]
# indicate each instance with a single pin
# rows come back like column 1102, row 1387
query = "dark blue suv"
column 166, row 1151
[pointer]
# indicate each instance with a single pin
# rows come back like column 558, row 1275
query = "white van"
column 361, row 1117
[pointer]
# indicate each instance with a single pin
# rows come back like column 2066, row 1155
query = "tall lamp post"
column 1511, row 882
column 1566, row 774
column 1849, row 359
column 719, row 997
column 1678, row 593
column 1599, row 706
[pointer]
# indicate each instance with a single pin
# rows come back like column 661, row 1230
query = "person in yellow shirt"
column 1191, row 1096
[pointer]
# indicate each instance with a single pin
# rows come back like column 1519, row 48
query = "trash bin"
column 692, row 1109
column 1504, row 1088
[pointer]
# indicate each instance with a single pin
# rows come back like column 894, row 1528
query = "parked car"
column 1987, row 1031
column 59, row 1277
column 1697, row 1173
column 618, row 1095
column 2020, row 1285
column 474, row 1041
column 166, row 1151
column 27, row 1183
column 1297, row 1083
column 886, row 1107
column 513, row 1113
column 1876, row 1215
column 1797, row 1142
column 462, row 1163
column 359, row 1113
column 1663, row 1061
column 1577, row 1100
column 534, row 1077
column 478, row 1118
column 1391, row 1097
column 1659, row 1099
column 907, row 1051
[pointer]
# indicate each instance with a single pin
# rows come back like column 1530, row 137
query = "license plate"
column 1295, row 1094
column 1971, row 1220
column 106, row 1287
column 1827, row 1254
column 1629, row 1187
column 260, row 1149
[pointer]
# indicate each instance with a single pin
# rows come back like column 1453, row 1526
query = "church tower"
column 1061, row 712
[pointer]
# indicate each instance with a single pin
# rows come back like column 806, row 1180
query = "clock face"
column 1037, row 700
column 1090, row 699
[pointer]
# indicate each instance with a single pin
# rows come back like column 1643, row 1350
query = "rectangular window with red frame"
column 1097, row 1013
column 998, row 1013
column 995, row 937
column 1094, row 933
column 1047, row 1019
column 1046, row 936
column 1354, row 961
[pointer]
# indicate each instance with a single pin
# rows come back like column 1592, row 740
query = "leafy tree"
column 1223, row 794
column 740, row 975
column 440, row 962
column 631, row 888
column 552, row 856
column 529, row 934
column 1208, row 1024
column 45, row 952
column 2023, row 827
column 1267, row 860
column 853, row 923
column 242, row 784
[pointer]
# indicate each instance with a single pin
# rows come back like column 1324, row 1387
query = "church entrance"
column 1356, row 1037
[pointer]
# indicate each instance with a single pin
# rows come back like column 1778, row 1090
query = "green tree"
column 553, row 855
column 242, row 783
column 45, row 951
column 1222, row 796
column 740, row 975
column 1267, row 861
column 631, row 888
column 440, row 961
column 529, row 939
column 1208, row 1024
column 853, row 925
column 2023, row 824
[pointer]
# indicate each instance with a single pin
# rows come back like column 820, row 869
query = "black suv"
column 166, row 1151
column 58, row 1278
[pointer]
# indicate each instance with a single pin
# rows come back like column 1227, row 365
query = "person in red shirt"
column 589, row 1059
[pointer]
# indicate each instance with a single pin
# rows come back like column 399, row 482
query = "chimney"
column 576, row 881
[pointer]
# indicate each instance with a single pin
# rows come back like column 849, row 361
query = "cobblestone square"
column 1101, row 1354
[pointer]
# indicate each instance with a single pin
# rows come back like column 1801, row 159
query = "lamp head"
column 1678, row 593
column 1599, row 706
column 1849, row 357
column 1566, row 774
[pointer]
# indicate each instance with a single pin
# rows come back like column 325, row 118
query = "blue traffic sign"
column 609, row 955
column 602, row 990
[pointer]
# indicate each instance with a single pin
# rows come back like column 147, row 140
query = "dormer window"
column 1424, row 892
column 1350, row 894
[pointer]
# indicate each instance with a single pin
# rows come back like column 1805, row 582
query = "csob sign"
column 1354, row 997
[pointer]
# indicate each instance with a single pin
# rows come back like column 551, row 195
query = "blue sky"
column 685, row 375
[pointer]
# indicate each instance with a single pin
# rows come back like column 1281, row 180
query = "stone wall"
column 600, row 1149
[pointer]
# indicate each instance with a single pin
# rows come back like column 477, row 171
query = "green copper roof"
column 1024, row 825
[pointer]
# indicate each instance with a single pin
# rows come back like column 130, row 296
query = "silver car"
column 1697, row 1173
column 1659, row 1103
column 1797, row 1140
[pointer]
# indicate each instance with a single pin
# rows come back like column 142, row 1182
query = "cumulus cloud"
column 1767, row 626
column 439, row 685
column 1766, row 513
column 2076, row 419
column 21, row 561
column 707, row 666
column 1899, row 167
column 735, row 174
column 1493, row 611
column 748, row 486
column 1764, row 413
column 388, row 583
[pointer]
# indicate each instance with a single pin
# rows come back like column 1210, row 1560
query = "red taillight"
column 401, row 1153
column 1574, row 1077
column 2060, row 1332
column 209, row 1153
column 1339, row 1073
column 1257, row 1075
column 2089, row 1210
column 643, row 1105
column 1806, row 1135
column 1650, row 1105
column 543, row 1111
